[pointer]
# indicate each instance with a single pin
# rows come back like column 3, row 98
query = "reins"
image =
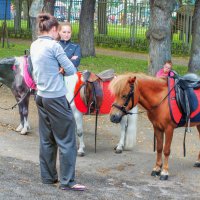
column 131, row 93
column 76, row 93
column 14, row 106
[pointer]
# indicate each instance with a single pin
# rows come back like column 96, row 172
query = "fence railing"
column 117, row 23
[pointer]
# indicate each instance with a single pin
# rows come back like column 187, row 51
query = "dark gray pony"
column 12, row 75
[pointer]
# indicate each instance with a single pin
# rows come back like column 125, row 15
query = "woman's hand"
column 74, row 57
column 61, row 70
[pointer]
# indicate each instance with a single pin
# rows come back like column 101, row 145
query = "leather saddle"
column 106, row 75
column 185, row 96
column 92, row 93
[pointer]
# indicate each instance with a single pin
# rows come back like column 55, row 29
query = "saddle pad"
column 108, row 99
column 176, row 114
column 27, row 77
column 80, row 105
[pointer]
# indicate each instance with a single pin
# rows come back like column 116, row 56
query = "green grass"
column 120, row 65
column 14, row 50
column 95, row 64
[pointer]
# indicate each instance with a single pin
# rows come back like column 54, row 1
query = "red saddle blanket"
column 108, row 99
column 175, row 112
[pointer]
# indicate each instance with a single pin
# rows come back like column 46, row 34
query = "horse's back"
column 7, row 61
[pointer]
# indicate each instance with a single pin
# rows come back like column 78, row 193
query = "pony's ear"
column 131, row 80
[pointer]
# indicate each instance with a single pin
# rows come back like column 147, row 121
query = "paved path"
column 140, row 56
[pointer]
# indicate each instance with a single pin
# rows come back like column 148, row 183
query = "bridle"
column 129, row 97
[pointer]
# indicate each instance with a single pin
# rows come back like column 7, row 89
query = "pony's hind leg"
column 79, row 130
column 197, row 163
column 159, row 146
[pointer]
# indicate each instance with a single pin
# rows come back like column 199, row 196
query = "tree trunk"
column 194, row 63
column 86, row 27
column 17, row 17
column 124, row 16
column 49, row 6
column 37, row 7
column 159, row 33
column 29, row 2
column 102, row 18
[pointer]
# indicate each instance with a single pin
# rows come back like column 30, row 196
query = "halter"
column 129, row 97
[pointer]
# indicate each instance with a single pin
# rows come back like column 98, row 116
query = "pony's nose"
column 115, row 118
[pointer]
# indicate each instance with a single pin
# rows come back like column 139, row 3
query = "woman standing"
column 72, row 50
column 56, row 121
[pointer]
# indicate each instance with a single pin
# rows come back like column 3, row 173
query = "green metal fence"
column 117, row 23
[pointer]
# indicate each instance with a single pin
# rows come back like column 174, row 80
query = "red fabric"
column 197, row 111
column 27, row 78
column 175, row 112
column 80, row 105
column 108, row 99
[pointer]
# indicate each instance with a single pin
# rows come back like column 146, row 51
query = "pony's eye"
column 124, row 96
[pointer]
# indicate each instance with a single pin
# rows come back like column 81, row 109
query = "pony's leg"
column 128, row 132
column 26, row 126
column 123, row 125
column 159, row 147
column 131, row 130
column 21, row 125
column 197, row 163
column 79, row 130
column 168, row 140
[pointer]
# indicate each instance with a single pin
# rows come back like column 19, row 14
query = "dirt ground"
column 106, row 174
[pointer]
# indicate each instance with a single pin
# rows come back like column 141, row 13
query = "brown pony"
column 151, row 93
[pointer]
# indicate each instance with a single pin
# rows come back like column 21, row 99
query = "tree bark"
column 194, row 63
column 159, row 33
column 37, row 7
column 49, row 6
column 86, row 27
column 17, row 17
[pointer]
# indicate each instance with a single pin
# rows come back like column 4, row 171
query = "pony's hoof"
column 24, row 132
column 197, row 164
column 164, row 177
column 155, row 173
column 118, row 151
column 81, row 154
column 19, row 128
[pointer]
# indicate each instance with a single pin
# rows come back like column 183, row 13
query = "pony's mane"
column 120, row 82
column 7, row 61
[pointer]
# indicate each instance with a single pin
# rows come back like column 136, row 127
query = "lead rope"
column 96, row 118
column 11, row 108
column 76, row 93
column 97, row 110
